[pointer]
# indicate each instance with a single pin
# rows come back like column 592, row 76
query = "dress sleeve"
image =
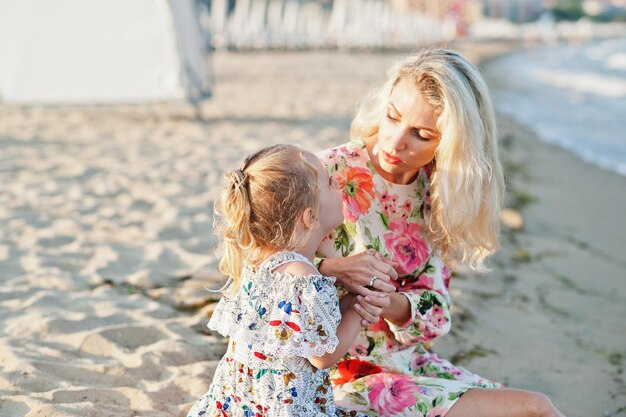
column 304, row 318
column 227, row 314
column 430, row 317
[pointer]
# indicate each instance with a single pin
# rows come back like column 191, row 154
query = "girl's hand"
column 370, row 307
column 356, row 272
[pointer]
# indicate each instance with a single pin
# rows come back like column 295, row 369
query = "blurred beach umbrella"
column 300, row 24
column 101, row 51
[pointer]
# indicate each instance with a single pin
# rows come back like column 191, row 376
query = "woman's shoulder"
column 349, row 153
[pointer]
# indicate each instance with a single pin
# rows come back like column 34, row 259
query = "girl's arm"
column 394, row 307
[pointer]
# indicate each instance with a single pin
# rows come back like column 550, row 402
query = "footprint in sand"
column 85, row 375
column 13, row 408
column 91, row 395
column 122, row 340
column 65, row 326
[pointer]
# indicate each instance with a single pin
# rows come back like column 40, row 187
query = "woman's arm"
column 428, row 317
column 414, row 316
column 398, row 310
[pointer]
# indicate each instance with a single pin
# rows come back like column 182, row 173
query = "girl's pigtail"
column 233, row 211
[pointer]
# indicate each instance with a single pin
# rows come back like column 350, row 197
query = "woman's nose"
column 398, row 139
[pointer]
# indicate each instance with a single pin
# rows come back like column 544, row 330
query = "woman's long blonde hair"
column 259, row 208
column 467, row 185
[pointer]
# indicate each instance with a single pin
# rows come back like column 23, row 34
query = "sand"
column 106, row 246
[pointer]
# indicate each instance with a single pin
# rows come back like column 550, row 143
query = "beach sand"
column 106, row 246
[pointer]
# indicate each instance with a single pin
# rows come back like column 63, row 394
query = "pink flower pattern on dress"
column 390, row 394
column 419, row 361
column 446, row 275
column 405, row 243
column 423, row 282
column 407, row 207
column 333, row 157
column 359, row 346
column 389, row 206
column 354, row 154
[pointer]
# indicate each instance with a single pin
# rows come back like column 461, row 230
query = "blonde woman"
column 422, row 191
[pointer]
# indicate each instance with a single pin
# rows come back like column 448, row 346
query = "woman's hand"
column 356, row 272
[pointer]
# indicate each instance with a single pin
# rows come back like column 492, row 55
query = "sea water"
column 571, row 95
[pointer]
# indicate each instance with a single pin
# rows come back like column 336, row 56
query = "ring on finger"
column 372, row 281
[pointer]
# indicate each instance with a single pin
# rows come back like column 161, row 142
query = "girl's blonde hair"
column 467, row 185
column 260, row 206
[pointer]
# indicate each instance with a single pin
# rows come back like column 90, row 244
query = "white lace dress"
column 275, row 322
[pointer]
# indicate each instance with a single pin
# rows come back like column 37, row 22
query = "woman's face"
column 407, row 134
column 331, row 200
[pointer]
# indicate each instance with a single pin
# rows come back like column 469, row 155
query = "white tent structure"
column 101, row 51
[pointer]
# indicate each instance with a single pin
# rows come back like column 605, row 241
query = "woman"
column 422, row 189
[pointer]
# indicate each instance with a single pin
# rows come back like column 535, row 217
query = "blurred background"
column 118, row 120
column 403, row 23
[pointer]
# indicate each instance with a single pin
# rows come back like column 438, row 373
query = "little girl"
column 285, row 321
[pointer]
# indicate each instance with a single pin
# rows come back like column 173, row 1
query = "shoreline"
column 565, row 93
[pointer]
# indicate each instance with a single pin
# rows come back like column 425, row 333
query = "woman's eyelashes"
column 392, row 119
column 415, row 132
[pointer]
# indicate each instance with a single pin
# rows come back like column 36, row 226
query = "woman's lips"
column 390, row 159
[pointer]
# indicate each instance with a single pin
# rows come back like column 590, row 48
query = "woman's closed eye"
column 423, row 135
column 418, row 135
column 392, row 119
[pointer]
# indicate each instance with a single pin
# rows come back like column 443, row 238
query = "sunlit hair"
column 260, row 206
column 467, row 185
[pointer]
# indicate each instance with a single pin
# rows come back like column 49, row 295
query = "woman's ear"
column 309, row 219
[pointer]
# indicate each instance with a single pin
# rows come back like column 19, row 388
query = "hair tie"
column 239, row 177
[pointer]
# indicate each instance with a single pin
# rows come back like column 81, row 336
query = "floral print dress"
column 388, row 371
column 275, row 322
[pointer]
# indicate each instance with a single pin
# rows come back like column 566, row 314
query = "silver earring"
column 375, row 149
